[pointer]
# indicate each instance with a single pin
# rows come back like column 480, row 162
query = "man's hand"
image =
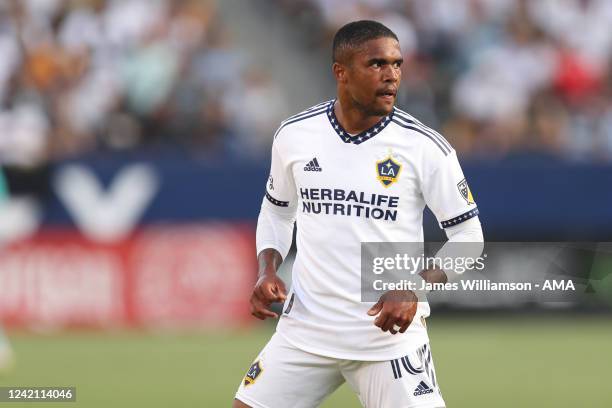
column 396, row 307
column 269, row 287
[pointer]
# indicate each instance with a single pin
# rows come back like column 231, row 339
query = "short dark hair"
column 353, row 35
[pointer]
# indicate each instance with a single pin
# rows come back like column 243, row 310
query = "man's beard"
column 370, row 110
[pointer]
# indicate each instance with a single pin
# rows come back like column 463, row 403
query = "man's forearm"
column 434, row 276
column 275, row 229
column 463, row 240
column 269, row 260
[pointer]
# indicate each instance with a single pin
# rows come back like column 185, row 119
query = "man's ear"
column 339, row 72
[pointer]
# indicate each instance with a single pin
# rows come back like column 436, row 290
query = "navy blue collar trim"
column 361, row 137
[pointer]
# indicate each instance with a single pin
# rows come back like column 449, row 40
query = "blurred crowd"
column 499, row 77
column 78, row 76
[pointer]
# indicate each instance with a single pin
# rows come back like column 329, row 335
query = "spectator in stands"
column 80, row 76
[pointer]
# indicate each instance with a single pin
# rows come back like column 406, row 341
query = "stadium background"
column 135, row 135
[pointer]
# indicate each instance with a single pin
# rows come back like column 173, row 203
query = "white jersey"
column 344, row 190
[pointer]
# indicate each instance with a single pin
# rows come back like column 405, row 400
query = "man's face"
column 373, row 76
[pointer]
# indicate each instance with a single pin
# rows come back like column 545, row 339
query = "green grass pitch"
column 491, row 362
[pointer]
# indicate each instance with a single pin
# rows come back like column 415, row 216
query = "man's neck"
column 352, row 119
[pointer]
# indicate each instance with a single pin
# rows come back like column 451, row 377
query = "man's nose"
column 391, row 74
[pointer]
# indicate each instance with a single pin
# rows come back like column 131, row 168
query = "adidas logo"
column 313, row 165
column 422, row 389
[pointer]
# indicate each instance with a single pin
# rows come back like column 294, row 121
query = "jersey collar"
column 361, row 137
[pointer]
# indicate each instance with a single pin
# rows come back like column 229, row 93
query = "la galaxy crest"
column 387, row 171
column 465, row 192
column 253, row 373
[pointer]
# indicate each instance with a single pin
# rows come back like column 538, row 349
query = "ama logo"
column 387, row 171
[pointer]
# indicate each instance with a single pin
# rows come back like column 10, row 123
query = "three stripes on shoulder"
column 404, row 120
column 308, row 113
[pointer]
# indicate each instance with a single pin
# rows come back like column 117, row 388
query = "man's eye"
column 376, row 64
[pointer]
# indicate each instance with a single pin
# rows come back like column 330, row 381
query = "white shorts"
column 285, row 376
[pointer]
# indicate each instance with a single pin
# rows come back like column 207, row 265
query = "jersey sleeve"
column 446, row 191
column 277, row 215
column 280, row 188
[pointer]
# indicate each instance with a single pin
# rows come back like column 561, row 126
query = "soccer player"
column 351, row 170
